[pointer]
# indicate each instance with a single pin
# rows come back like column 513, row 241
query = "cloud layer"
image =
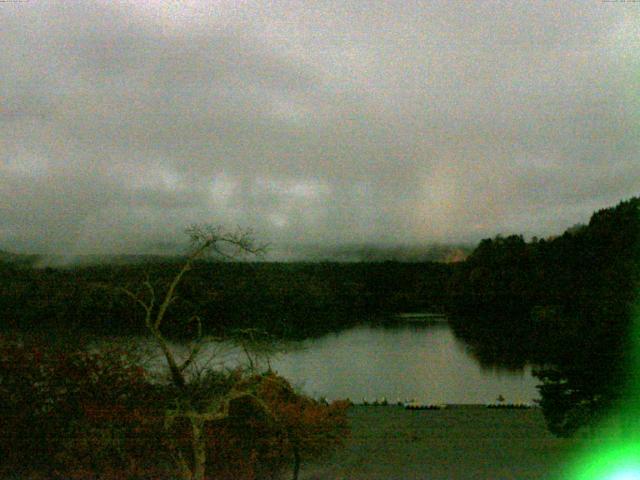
column 313, row 122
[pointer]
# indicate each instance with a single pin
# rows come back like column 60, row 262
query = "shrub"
column 89, row 415
column 267, row 433
column 74, row 412
column 290, row 428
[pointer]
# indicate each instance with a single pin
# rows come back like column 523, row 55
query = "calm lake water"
column 426, row 363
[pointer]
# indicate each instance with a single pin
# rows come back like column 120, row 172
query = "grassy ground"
column 461, row 442
column 458, row 443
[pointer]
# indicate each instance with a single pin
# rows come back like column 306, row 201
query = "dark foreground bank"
column 460, row 442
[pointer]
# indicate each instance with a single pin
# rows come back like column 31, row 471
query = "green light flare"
column 614, row 461
column 631, row 474
column 614, row 453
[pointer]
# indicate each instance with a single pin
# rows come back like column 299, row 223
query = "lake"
column 426, row 363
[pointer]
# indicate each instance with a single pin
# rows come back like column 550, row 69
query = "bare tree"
column 205, row 240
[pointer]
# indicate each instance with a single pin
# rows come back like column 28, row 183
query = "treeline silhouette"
column 294, row 300
column 564, row 303
column 552, row 294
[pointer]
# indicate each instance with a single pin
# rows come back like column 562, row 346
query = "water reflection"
column 492, row 348
column 425, row 362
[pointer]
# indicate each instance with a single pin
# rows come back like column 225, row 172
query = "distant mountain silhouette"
column 374, row 253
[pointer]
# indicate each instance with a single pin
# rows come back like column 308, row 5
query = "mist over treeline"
column 173, row 252
column 534, row 289
column 564, row 303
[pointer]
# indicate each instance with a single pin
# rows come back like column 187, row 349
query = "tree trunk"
column 199, row 448
column 296, row 463
column 185, row 471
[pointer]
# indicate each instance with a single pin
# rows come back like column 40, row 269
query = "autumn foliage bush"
column 72, row 412
column 88, row 415
column 274, row 433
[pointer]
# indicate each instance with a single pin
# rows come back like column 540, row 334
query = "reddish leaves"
column 91, row 415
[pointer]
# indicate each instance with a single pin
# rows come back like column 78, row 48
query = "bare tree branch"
column 195, row 350
column 204, row 239
column 136, row 298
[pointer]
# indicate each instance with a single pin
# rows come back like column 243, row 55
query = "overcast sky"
column 332, row 122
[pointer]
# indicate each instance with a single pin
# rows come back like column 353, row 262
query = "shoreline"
column 459, row 442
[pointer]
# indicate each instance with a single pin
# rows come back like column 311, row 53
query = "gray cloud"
column 338, row 122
